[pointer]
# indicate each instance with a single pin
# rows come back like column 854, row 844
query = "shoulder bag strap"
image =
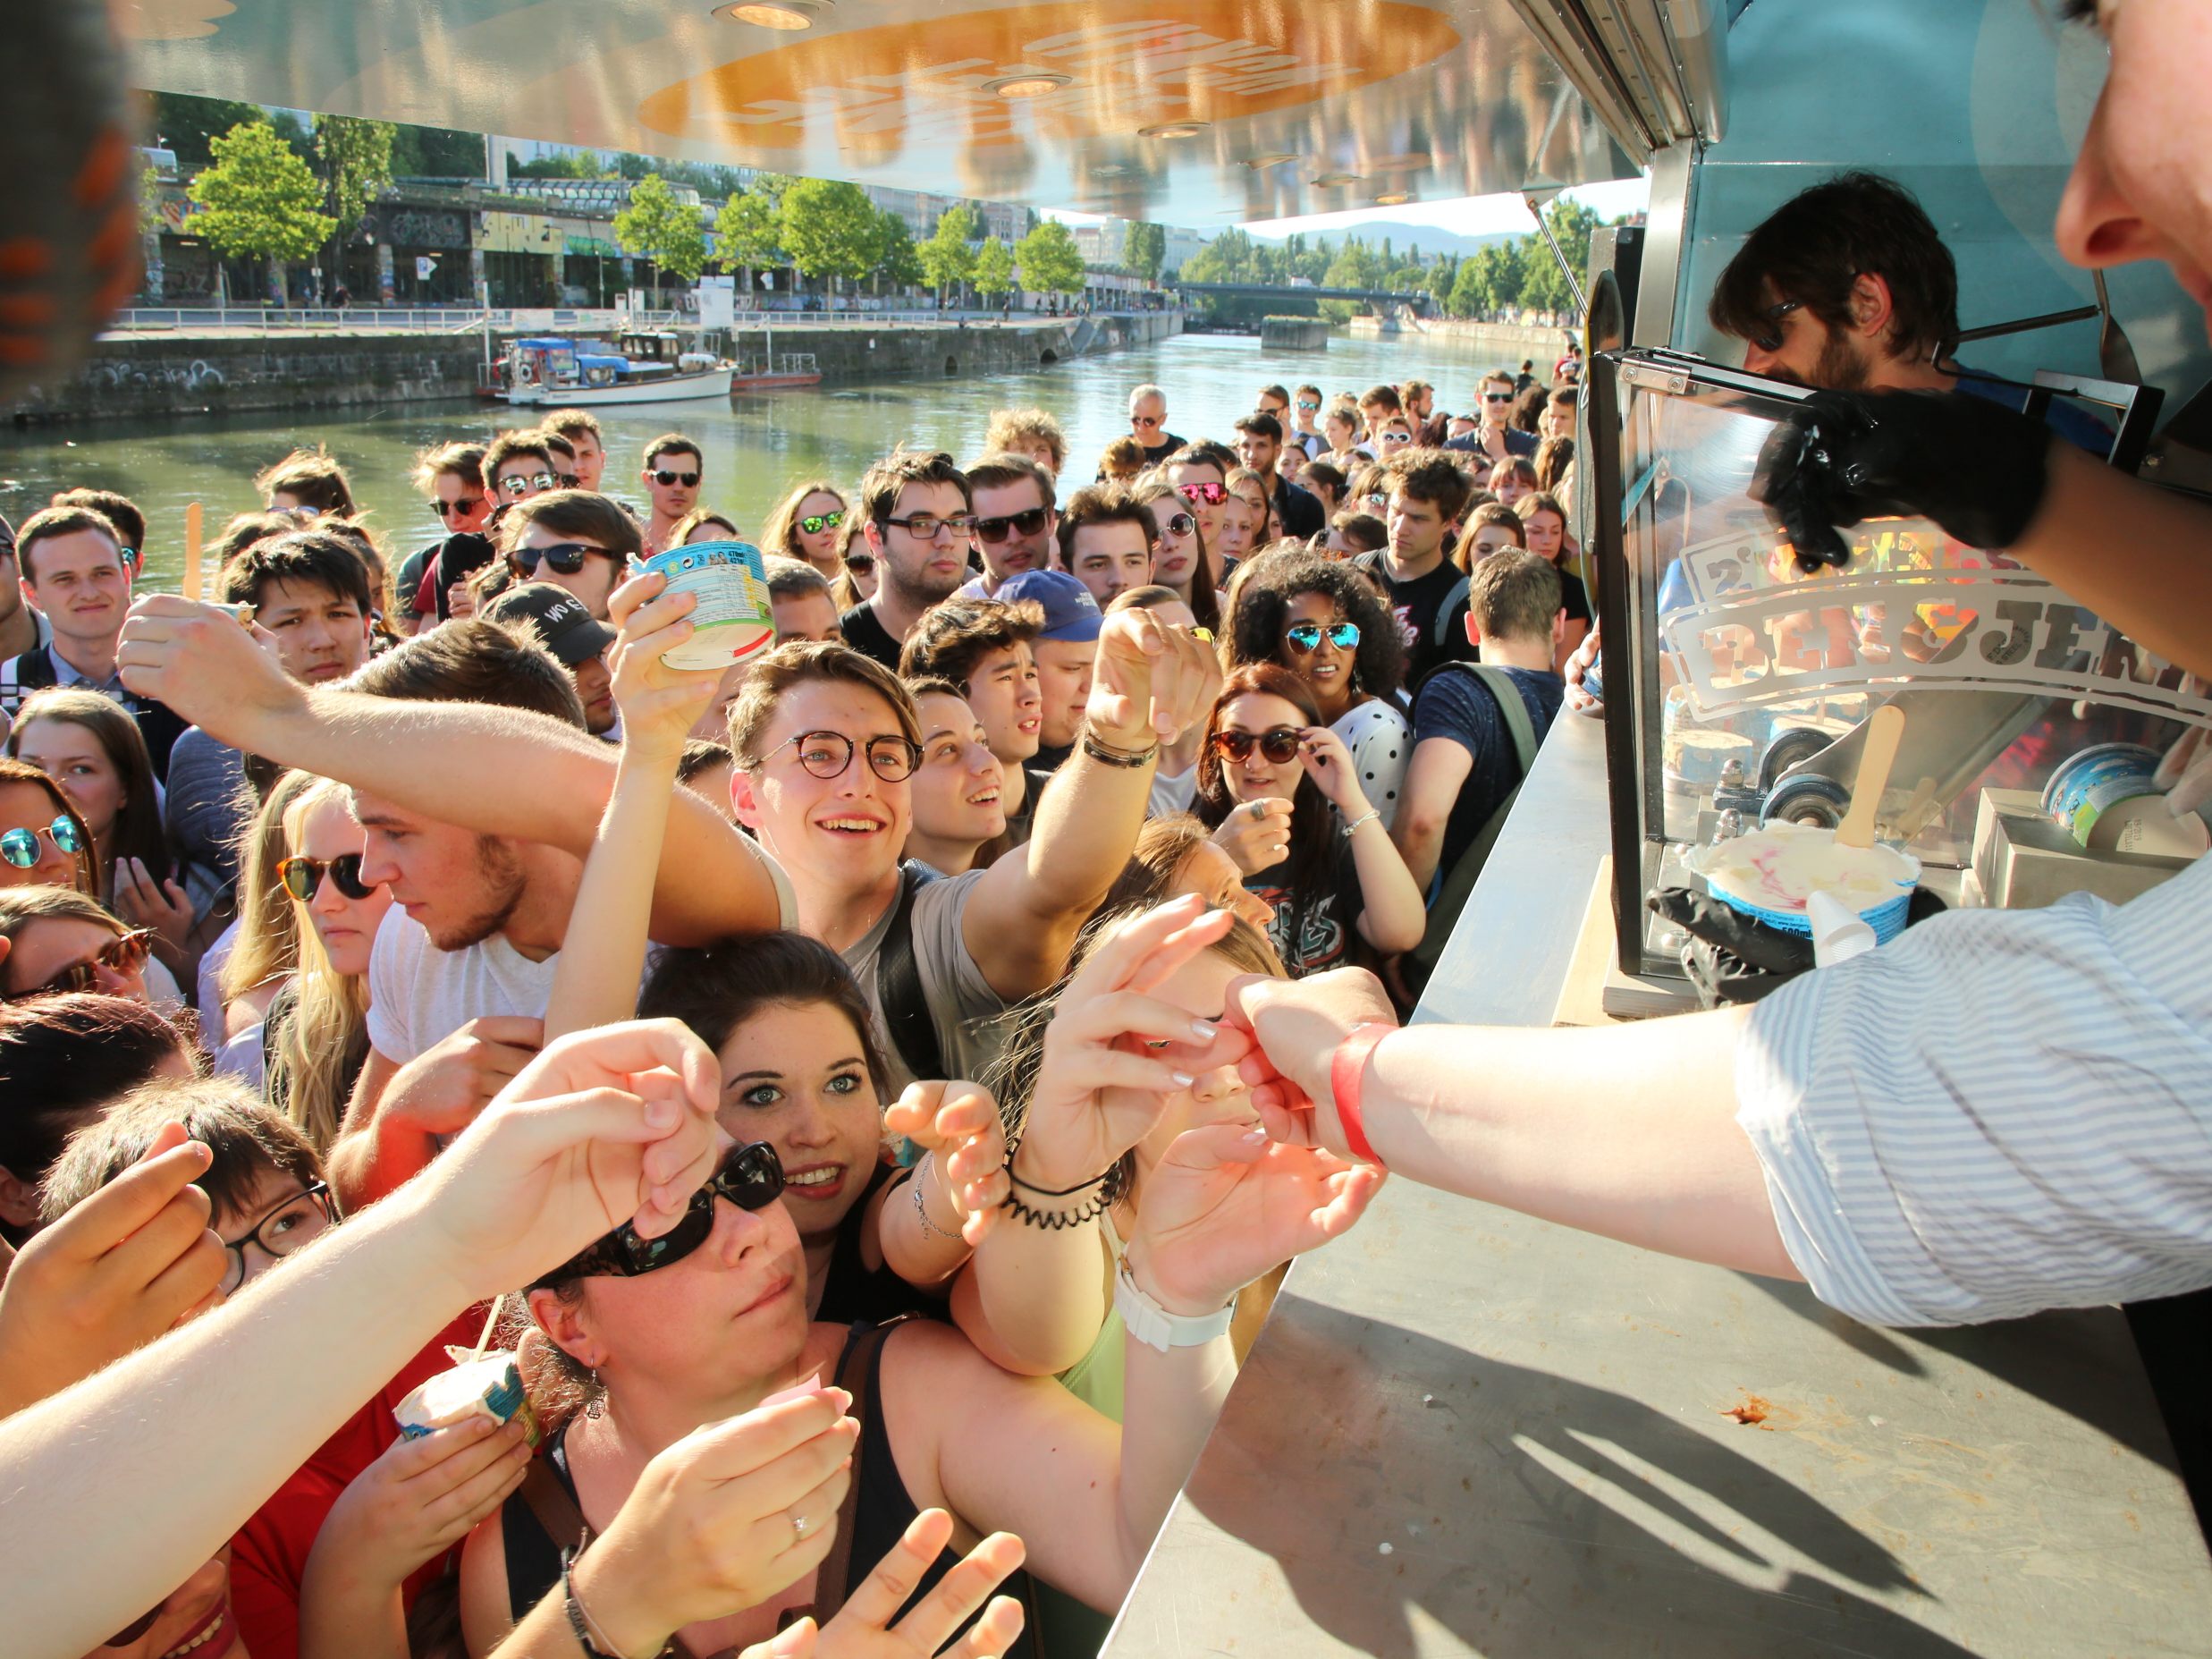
column 856, row 1375
column 555, row 1510
column 899, row 988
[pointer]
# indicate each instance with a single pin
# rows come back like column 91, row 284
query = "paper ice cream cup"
column 732, row 622
column 1769, row 872
column 491, row 1386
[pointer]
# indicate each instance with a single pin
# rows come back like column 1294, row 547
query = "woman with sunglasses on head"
column 1267, row 779
column 1325, row 624
column 1180, row 558
column 91, row 746
column 806, row 526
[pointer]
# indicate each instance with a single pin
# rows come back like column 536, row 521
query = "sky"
column 1470, row 215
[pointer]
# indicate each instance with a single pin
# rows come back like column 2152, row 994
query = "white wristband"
column 1147, row 1322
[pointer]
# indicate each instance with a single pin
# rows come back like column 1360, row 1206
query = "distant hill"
column 1429, row 239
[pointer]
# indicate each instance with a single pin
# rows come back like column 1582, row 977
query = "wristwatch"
column 1149, row 1322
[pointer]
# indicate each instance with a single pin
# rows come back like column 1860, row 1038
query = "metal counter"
column 1466, row 1432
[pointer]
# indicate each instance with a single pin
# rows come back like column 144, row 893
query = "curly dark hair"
column 1255, row 630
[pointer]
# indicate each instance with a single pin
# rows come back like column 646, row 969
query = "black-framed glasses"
column 814, row 523
column 926, row 526
column 19, row 847
column 530, row 484
column 1027, row 523
column 827, row 754
column 1305, row 638
column 460, row 509
column 665, row 476
column 298, row 1220
column 125, row 954
column 751, row 1177
column 1212, row 494
column 302, row 877
column 1771, row 340
column 570, row 480
column 1280, row 745
column 860, row 564
column 564, row 557
column 1178, row 524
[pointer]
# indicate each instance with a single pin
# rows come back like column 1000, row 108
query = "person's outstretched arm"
column 496, row 771
column 615, row 1125
column 1023, row 918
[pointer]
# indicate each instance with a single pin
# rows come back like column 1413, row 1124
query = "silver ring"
column 1259, row 809
column 798, row 1530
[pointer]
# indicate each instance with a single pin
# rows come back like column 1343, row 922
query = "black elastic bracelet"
column 1106, row 755
column 578, row 1627
column 1058, row 1221
column 1053, row 1192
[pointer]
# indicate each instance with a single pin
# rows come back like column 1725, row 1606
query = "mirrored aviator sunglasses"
column 302, row 877
column 751, row 1177
column 19, row 847
column 1306, row 637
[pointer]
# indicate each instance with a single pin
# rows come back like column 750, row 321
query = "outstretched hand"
column 1296, row 1026
column 1225, row 1205
column 865, row 1627
column 959, row 1122
column 1152, row 680
column 196, row 659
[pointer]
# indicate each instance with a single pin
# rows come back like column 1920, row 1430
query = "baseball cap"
column 561, row 621
column 1071, row 612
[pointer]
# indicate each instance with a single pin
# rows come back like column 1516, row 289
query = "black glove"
column 1976, row 467
column 1732, row 958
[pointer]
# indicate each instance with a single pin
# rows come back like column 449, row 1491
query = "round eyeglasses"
column 19, row 847
column 827, row 754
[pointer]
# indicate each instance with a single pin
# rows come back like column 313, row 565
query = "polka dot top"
column 1382, row 746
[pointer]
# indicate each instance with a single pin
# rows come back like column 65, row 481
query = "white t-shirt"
column 1382, row 748
column 419, row 996
column 1171, row 795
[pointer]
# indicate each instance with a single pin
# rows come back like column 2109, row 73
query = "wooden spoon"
column 1884, row 729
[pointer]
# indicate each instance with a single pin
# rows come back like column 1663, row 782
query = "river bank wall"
column 134, row 376
column 1495, row 345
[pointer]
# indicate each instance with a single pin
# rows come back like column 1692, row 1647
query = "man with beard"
column 916, row 513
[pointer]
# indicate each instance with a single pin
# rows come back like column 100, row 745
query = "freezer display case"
column 1738, row 686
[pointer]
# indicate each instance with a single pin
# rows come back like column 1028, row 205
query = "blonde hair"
column 326, row 1038
column 267, row 945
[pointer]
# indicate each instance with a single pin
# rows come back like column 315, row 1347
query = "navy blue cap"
column 1071, row 612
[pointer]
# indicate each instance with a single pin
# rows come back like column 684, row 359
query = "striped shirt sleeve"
column 1999, row 1113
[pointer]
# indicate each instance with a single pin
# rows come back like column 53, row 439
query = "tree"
column 898, row 261
column 746, row 229
column 356, row 157
column 1143, row 250
column 830, row 229
column 260, row 200
column 436, row 153
column 187, row 124
column 1050, row 260
column 665, row 230
column 994, row 268
column 947, row 257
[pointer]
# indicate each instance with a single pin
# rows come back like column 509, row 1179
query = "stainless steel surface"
column 1463, row 1431
column 1407, row 99
column 1674, row 182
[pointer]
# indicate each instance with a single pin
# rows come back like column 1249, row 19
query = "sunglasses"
column 1178, row 524
column 1771, row 340
column 827, row 754
column 535, row 484
column 1306, row 637
column 570, row 480
column 19, row 847
column 1308, row 407
column 750, row 1177
column 564, row 557
column 303, row 878
column 124, row 954
column 1498, row 397
column 814, row 523
column 994, row 531
column 1281, row 746
column 457, row 509
column 1143, row 420
column 1212, row 494
column 860, row 564
column 664, row 477
column 925, row 526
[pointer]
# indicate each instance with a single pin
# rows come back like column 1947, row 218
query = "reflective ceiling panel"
column 1188, row 111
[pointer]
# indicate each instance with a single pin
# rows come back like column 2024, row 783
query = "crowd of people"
column 940, row 895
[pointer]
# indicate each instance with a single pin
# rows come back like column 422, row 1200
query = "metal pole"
column 1574, row 282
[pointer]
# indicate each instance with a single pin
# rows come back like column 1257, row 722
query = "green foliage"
column 1143, row 251
column 947, row 257
column 295, row 137
column 187, row 124
column 258, row 198
column 577, row 165
column 994, row 268
column 149, row 200
column 745, row 230
column 436, row 152
column 665, row 230
column 1048, row 259
column 356, row 161
column 830, row 228
column 897, row 261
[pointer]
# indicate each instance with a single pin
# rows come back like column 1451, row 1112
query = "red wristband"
column 1345, row 1073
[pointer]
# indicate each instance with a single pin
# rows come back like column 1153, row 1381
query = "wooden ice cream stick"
column 191, row 550
column 1883, row 730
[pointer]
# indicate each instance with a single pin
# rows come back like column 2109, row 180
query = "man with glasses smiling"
column 916, row 512
column 672, row 474
column 1016, row 520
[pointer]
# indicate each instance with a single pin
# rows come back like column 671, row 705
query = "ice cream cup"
column 491, row 1386
column 1769, row 872
column 732, row 622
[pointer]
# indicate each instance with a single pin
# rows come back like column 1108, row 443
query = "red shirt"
column 269, row 1555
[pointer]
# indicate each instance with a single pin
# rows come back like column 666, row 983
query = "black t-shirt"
column 1297, row 510
column 1313, row 932
column 409, row 579
column 869, row 636
column 1046, row 762
column 1415, row 604
column 1457, row 706
column 1155, row 453
column 1573, row 598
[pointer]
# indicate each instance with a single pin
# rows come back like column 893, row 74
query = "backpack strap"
column 1418, row 964
column 555, row 1510
column 1444, row 613
column 898, row 986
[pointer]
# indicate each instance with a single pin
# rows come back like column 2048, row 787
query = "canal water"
column 756, row 447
